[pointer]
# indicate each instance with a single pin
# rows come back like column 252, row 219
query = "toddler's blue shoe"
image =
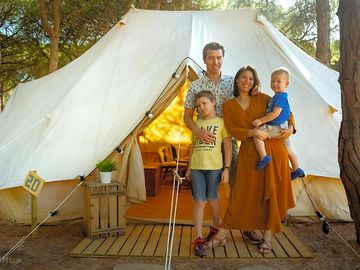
column 298, row 173
column 262, row 163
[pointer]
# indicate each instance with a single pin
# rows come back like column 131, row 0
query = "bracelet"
column 227, row 167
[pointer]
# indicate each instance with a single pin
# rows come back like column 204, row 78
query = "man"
column 221, row 86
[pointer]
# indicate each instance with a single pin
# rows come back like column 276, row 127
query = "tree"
column 349, row 137
column 323, row 31
column 52, row 31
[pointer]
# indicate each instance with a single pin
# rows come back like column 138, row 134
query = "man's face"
column 213, row 61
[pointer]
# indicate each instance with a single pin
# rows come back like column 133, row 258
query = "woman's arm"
column 240, row 133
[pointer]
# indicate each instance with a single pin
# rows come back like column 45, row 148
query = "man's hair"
column 213, row 46
column 281, row 70
column 256, row 79
column 206, row 93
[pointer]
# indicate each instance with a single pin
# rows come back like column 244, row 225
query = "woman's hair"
column 237, row 75
column 206, row 93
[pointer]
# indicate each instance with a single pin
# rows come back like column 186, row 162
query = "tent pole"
column 34, row 214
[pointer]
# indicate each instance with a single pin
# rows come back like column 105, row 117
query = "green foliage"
column 106, row 166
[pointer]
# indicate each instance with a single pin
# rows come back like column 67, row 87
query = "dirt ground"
column 50, row 250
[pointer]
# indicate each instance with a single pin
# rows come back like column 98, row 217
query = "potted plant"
column 106, row 167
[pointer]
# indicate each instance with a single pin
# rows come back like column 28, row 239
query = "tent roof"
column 62, row 124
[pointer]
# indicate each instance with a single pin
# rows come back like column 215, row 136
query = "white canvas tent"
column 62, row 124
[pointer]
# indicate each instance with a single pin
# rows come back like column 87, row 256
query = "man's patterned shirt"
column 223, row 91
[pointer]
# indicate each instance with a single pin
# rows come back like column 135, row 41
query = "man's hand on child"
column 206, row 136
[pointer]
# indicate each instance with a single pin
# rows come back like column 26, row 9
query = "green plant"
column 106, row 166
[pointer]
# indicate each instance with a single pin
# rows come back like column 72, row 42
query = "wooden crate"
column 105, row 210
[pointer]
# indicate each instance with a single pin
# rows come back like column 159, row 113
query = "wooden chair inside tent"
column 167, row 155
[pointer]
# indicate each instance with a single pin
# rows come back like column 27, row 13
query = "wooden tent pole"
column 34, row 214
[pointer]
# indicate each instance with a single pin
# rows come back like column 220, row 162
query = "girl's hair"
column 206, row 93
column 237, row 75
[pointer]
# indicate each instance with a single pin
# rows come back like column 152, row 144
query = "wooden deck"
column 149, row 240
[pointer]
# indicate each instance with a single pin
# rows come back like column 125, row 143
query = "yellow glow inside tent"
column 169, row 127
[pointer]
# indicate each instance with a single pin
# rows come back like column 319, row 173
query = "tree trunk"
column 158, row 4
column 53, row 32
column 349, row 137
column 1, row 97
column 144, row 4
column 323, row 31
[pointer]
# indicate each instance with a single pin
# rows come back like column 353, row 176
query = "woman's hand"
column 256, row 123
column 260, row 134
column 225, row 176
column 256, row 90
column 285, row 133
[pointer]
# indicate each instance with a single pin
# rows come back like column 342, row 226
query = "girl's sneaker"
column 199, row 248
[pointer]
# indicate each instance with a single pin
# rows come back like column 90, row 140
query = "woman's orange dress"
column 259, row 199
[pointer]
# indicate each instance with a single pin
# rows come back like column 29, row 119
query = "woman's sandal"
column 215, row 242
column 265, row 246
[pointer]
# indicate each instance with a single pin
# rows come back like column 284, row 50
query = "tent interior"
column 160, row 88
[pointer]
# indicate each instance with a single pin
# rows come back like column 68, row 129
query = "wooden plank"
column 113, row 217
column 80, row 247
column 105, row 246
column 141, row 242
column 94, row 215
column 230, row 247
column 185, row 242
column 153, row 241
column 121, row 210
column 287, row 246
column 131, row 241
column 277, row 248
column 87, row 214
column 104, row 210
column 240, row 244
column 115, row 248
column 93, row 247
column 193, row 237
column 300, row 247
column 253, row 249
column 161, row 247
column 176, row 242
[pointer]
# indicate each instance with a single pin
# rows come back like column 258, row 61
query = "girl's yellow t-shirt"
column 208, row 156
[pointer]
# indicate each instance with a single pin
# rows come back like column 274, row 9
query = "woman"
column 259, row 199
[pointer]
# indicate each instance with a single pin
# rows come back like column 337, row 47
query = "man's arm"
column 204, row 135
